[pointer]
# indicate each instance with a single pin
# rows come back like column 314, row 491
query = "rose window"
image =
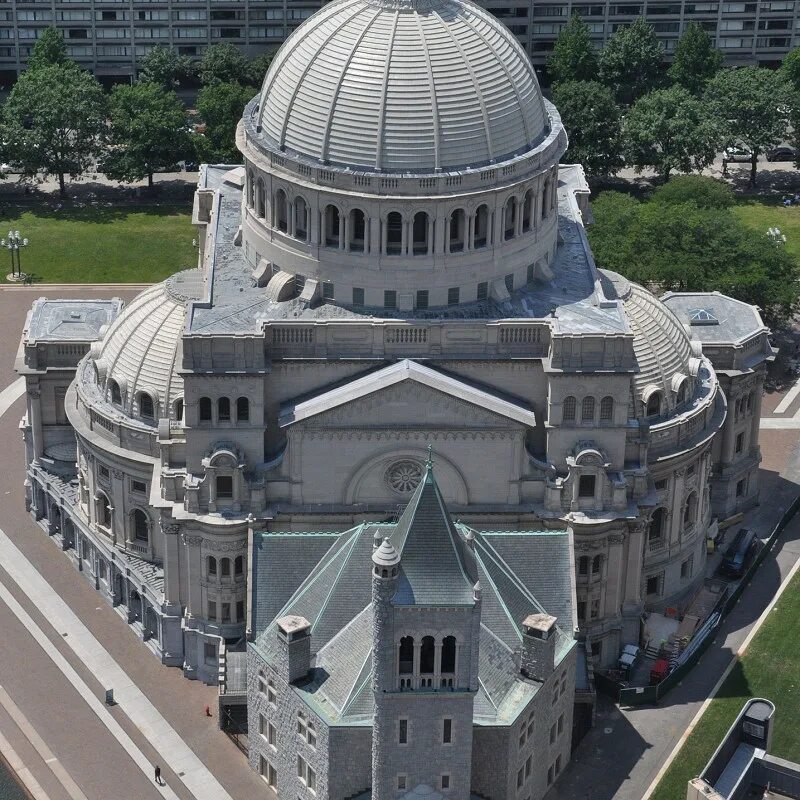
column 404, row 476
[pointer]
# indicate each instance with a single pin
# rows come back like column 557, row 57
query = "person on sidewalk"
column 158, row 775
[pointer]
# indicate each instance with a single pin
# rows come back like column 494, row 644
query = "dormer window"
column 146, row 406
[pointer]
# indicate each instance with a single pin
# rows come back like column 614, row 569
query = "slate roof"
column 327, row 578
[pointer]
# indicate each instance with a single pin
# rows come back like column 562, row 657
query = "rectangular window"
column 272, row 735
column 520, row 777
column 422, row 298
column 402, row 737
column 560, row 724
column 586, row 486
column 224, row 487
column 272, row 694
column 327, row 290
column 445, row 782
column 209, row 652
column 240, row 610
column 528, row 767
column 741, row 488
column 139, row 486
column 358, row 297
column 553, row 733
column 390, row 298
column 530, row 727
column 687, row 567
column 581, row 611
column 301, row 725
column 483, row 290
column 739, row 442
column 558, row 765
column 226, row 612
column 452, row 296
column 653, row 585
column 522, row 738
column 595, row 608
column 555, row 695
column 401, row 782
column 103, row 471
column 268, row 773
column 212, row 609
column 510, row 282
column 263, row 725
column 447, row 731
column 550, row 770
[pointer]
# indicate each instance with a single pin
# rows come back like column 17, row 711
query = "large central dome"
column 402, row 86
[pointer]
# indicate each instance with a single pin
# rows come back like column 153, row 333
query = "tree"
column 574, row 57
column 753, row 103
column 630, row 63
column 701, row 190
column 668, row 130
column 49, row 49
column 165, row 67
column 257, row 68
column 55, row 120
column 220, row 106
column 148, row 132
column 790, row 68
column 696, row 60
column 223, row 63
column 592, row 120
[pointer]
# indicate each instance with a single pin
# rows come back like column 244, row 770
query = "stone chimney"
column 538, row 646
column 294, row 640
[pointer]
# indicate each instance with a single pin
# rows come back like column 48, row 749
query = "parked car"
column 629, row 656
column 738, row 152
column 738, row 554
column 782, row 152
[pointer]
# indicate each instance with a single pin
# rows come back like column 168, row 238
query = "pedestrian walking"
column 158, row 775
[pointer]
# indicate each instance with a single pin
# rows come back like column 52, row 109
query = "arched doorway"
column 150, row 624
column 134, row 606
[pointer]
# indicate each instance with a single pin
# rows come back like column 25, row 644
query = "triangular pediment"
column 406, row 393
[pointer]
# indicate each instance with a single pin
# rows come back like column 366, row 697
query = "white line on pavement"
column 788, row 399
column 779, row 423
column 143, row 714
column 21, row 771
column 11, row 394
column 80, row 686
column 30, row 733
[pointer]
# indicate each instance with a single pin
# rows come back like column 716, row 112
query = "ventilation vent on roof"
column 702, row 316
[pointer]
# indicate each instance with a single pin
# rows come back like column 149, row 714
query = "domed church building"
column 400, row 263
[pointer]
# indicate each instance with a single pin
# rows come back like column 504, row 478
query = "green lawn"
column 763, row 213
column 770, row 668
column 137, row 244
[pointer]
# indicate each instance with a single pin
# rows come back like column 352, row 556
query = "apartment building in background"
column 111, row 36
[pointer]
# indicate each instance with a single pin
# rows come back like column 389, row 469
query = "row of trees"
column 621, row 107
column 59, row 121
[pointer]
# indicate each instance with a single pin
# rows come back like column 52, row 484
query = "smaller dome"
column 386, row 555
column 141, row 351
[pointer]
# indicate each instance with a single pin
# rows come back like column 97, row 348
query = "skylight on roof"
column 702, row 316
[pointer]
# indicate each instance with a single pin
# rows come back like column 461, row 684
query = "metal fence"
column 642, row 695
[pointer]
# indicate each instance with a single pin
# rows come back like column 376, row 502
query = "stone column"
column 431, row 233
column 728, row 434
column 194, row 576
column 384, row 236
column 172, row 559
column 35, row 409
column 211, row 477
column 343, row 226
column 471, row 232
column 404, row 238
column 756, row 421
column 518, row 218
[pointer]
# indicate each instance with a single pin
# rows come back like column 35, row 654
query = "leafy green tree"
column 55, row 121
column 682, row 247
column 223, row 63
column 592, row 120
column 753, row 103
column 257, row 68
column 148, row 132
column 701, row 190
column 49, row 49
column 790, row 68
column 668, row 130
column 220, row 106
column 630, row 63
column 696, row 60
column 165, row 67
column 574, row 58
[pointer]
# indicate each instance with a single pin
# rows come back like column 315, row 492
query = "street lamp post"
column 14, row 243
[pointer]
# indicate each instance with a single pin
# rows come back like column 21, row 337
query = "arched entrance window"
column 527, row 211
column 406, row 655
column 261, row 200
column 654, row 404
column 103, row 511
column 509, row 218
column 583, row 565
column 607, row 409
column 457, row 230
column 427, row 655
column 242, row 409
column 223, row 409
column 358, row 229
column 225, row 567
column 178, row 409
column 212, row 565
column 205, row 409
column 597, row 565
column 280, row 211
column 448, row 654
column 333, row 223
column 394, row 234
column 141, row 526
column 114, row 391
column 146, row 406
column 481, row 226
column 690, row 510
column 420, row 234
column 587, row 409
column 300, row 219
column 568, row 412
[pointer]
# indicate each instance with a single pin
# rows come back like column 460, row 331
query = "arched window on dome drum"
column 212, row 565
column 104, row 511
column 146, row 406
column 357, row 230
column 261, row 199
column 690, row 510
column 527, row 211
column 332, row 226
column 656, row 530
column 597, row 565
column 238, row 565
column 448, row 654
column 406, row 655
column 225, row 567
column 251, row 190
column 568, row 413
column 300, row 219
column 546, row 199
column 654, row 404
column 223, row 409
column 205, row 409
column 510, row 218
column 419, row 236
column 178, row 409
column 116, row 395
column 394, row 234
column 583, row 565
column 587, row 409
column 481, row 230
column 242, row 410
column 683, row 391
column 607, row 409
column 141, row 526
column 457, row 230
column 280, row 211
column 427, row 655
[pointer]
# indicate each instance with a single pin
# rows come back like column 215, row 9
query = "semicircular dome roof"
column 402, row 86
column 661, row 343
column 141, row 349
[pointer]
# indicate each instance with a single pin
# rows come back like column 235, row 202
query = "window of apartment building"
column 272, row 694
column 522, row 737
column 653, row 585
column 306, row 773
column 212, row 609
column 226, row 612
column 520, row 777
column 444, row 782
column 224, row 487
column 268, row 773
column 687, row 567
column 452, row 296
column 509, row 281
column 401, row 782
column 447, row 731
column 563, row 682
column 560, row 724
column 594, row 608
column 483, row 290
column 358, row 297
column 528, row 767
column 581, row 611
column 422, row 298
column 553, row 733
column 327, row 290
column 402, row 732
column 390, row 299
column 530, row 725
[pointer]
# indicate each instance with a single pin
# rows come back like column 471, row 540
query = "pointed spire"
column 386, row 555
